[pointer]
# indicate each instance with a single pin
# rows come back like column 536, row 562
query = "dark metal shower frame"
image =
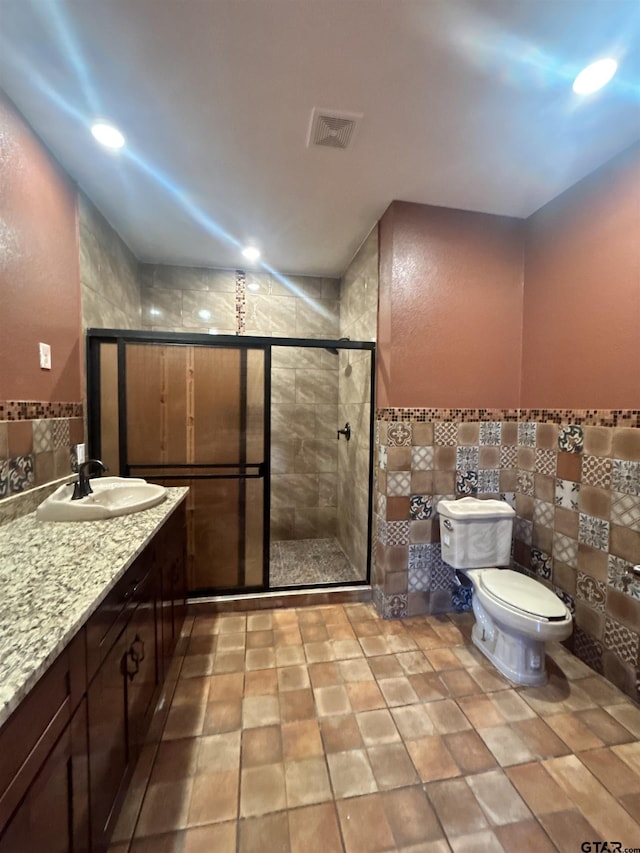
column 121, row 337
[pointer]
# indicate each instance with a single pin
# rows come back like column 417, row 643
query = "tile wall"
column 37, row 446
column 108, row 274
column 188, row 299
column 358, row 319
column 304, row 450
column 574, row 481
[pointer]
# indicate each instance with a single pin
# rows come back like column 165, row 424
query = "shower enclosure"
column 279, row 498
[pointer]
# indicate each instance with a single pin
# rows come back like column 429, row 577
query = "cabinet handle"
column 137, row 653
column 129, row 669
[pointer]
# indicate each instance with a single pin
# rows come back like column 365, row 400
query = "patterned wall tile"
column 21, row 474
column 625, row 476
column 421, row 458
column 565, row 549
column 525, row 482
column 546, row 462
column 466, row 482
column 509, row 497
column 587, row 648
column 382, row 457
column 419, row 579
column 397, row 533
column 523, row 530
column 508, row 456
column 619, row 577
column 543, row 513
column 399, row 435
column 571, row 439
column 399, row 484
column 61, row 434
column 445, row 432
column 42, row 430
column 596, row 471
column 467, row 458
column 541, row 563
column 4, row 478
column 593, row 531
column 491, row 433
column 381, row 505
column 441, row 576
column 567, row 494
column 568, row 600
column 420, row 507
column 592, row 591
column 395, row 606
column 527, row 434
column 420, row 556
column 621, row 640
column 461, row 598
column 625, row 511
column 488, row 481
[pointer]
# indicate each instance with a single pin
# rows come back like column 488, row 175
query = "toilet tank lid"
column 475, row 508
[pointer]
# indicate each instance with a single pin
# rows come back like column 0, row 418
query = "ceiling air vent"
column 332, row 129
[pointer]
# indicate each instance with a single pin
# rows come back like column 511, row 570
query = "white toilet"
column 515, row 614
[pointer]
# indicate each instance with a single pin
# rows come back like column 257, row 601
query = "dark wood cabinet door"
column 53, row 814
column 108, row 746
column 141, row 663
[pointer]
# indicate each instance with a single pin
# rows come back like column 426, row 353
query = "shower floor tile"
column 310, row 561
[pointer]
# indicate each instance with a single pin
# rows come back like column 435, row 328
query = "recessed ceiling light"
column 204, row 314
column 253, row 285
column 107, row 135
column 594, row 76
column 251, row 253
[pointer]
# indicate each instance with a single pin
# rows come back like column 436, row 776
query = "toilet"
column 515, row 615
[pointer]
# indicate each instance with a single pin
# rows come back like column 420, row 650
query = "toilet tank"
column 475, row 534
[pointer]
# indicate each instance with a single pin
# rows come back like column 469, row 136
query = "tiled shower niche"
column 576, row 491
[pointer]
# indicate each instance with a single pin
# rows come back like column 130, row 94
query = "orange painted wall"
column 581, row 342
column 450, row 321
column 39, row 269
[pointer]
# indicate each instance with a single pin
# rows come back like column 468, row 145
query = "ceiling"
column 464, row 103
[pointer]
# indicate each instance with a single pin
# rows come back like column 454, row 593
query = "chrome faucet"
column 82, row 486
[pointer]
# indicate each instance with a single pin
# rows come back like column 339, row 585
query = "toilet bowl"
column 515, row 617
column 515, row 614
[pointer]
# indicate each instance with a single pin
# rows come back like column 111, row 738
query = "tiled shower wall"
column 189, row 299
column 304, row 450
column 574, row 480
column 358, row 319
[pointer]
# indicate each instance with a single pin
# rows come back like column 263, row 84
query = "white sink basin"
column 111, row 496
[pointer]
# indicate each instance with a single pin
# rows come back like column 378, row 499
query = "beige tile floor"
column 329, row 729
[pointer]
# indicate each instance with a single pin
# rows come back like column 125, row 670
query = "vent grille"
column 332, row 129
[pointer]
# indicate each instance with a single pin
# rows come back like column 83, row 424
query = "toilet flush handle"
column 447, row 524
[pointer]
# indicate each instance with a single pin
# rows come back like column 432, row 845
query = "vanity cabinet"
column 69, row 749
column 44, row 803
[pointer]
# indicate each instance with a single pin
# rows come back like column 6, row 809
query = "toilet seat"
column 522, row 594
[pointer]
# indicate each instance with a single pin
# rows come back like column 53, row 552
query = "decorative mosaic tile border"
column 419, row 415
column 29, row 410
column 241, row 302
column 585, row 417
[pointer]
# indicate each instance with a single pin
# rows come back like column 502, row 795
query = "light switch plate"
column 45, row 356
column 80, row 453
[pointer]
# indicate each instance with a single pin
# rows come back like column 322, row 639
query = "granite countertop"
column 53, row 575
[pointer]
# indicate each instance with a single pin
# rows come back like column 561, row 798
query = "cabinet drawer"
column 107, row 623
